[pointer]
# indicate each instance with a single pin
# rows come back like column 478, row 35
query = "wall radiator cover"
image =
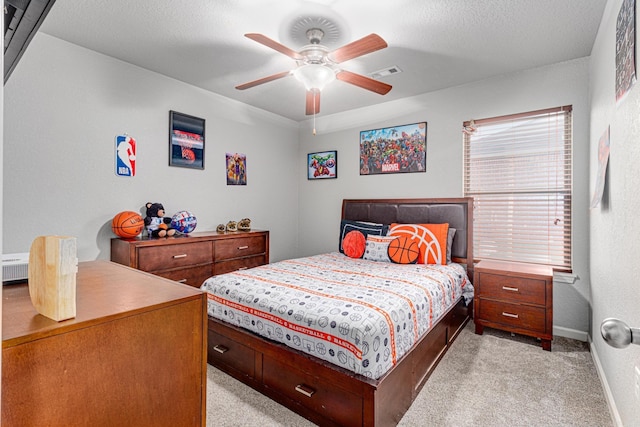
column 15, row 267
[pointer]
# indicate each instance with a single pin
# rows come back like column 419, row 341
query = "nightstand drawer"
column 514, row 315
column 240, row 247
column 513, row 289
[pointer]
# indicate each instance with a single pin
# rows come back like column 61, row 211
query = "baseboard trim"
column 611, row 403
column 570, row 333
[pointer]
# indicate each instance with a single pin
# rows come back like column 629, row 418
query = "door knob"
column 618, row 334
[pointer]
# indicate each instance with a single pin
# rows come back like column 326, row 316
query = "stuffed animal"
column 244, row 224
column 157, row 224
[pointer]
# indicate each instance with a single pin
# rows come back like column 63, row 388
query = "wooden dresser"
column 135, row 354
column 194, row 257
column 514, row 297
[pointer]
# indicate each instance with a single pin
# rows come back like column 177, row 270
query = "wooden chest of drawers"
column 514, row 297
column 193, row 258
column 135, row 354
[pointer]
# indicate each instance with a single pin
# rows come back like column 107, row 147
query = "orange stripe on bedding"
column 352, row 300
column 291, row 326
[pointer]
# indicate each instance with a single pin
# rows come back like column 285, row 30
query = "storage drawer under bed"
column 313, row 392
column 225, row 351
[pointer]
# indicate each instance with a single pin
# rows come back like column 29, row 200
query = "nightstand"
column 514, row 297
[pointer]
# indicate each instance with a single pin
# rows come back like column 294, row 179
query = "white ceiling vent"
column 386, row 72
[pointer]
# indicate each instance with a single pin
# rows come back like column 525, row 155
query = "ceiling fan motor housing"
column 315, row 35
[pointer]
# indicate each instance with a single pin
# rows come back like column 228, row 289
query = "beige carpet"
column 492, row 380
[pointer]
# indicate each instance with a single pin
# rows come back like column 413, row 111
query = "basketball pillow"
column 403, row 250
column 354, row 244
column 366, row 228
column 431, row 238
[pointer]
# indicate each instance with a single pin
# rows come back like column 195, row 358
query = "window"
column 518, row 170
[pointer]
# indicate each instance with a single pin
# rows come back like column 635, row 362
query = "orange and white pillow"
column 431, row 239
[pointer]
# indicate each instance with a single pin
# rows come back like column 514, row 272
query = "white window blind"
column 518, row 169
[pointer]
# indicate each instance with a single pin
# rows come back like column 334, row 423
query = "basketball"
column 403, row 250
column 127, row 224
column 184, row 222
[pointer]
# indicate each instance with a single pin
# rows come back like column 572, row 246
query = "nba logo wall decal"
column 125, row 155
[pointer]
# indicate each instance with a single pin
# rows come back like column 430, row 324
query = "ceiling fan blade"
column 263, row 80
column 365, row 45
column 274, row 45
column 313, row 102
column 363, row 82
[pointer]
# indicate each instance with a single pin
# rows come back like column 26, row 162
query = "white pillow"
column 377, row 248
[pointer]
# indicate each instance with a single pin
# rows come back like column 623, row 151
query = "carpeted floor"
column 493, row 379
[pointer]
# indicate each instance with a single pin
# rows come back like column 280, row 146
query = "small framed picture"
column 236, row 169
column 322, row 165
column 186, row 141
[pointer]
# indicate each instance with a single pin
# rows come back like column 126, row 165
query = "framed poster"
column 397, row 149
column 236, row 168
column 625, row 49
column 322, row 165
column 186, row 141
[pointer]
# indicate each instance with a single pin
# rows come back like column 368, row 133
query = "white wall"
column 64, row 106
column 615, row 270
column 444, row 111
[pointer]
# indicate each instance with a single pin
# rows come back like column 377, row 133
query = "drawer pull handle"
column 515, row 316
column 508, row 288
column 182, row 281
column 220, row 348
column 180, row 256
column 242, row 268
column 307, row 391
column 240, row 248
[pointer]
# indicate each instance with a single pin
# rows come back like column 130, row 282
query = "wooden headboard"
column 458, row 212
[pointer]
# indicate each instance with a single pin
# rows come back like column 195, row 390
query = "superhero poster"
column 396, row 149
column 322, row 165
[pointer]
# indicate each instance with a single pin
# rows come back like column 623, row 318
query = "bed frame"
column 329, row 395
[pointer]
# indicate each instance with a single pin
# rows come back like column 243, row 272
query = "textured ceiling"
column 436, row 43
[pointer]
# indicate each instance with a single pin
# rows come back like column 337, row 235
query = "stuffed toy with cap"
column 157, row 224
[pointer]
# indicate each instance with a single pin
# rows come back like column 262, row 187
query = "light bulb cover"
column 314, row 76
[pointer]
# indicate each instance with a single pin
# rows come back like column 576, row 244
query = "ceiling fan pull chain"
column 314, row 113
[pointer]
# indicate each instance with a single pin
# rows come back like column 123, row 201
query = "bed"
column 329, row 369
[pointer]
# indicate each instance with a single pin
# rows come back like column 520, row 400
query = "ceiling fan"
column 317, row 66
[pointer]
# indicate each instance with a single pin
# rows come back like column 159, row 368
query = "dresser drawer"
column 313, row 392
column 513, row 315
column 239, row 264
column 224, row 351
column 164, row 257
column 240, row 247
column 193, row 276
column 514, row 289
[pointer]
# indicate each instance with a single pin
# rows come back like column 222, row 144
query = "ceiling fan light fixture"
column 314, row 76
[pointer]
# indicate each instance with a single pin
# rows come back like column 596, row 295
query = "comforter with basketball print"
column 360, row 315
